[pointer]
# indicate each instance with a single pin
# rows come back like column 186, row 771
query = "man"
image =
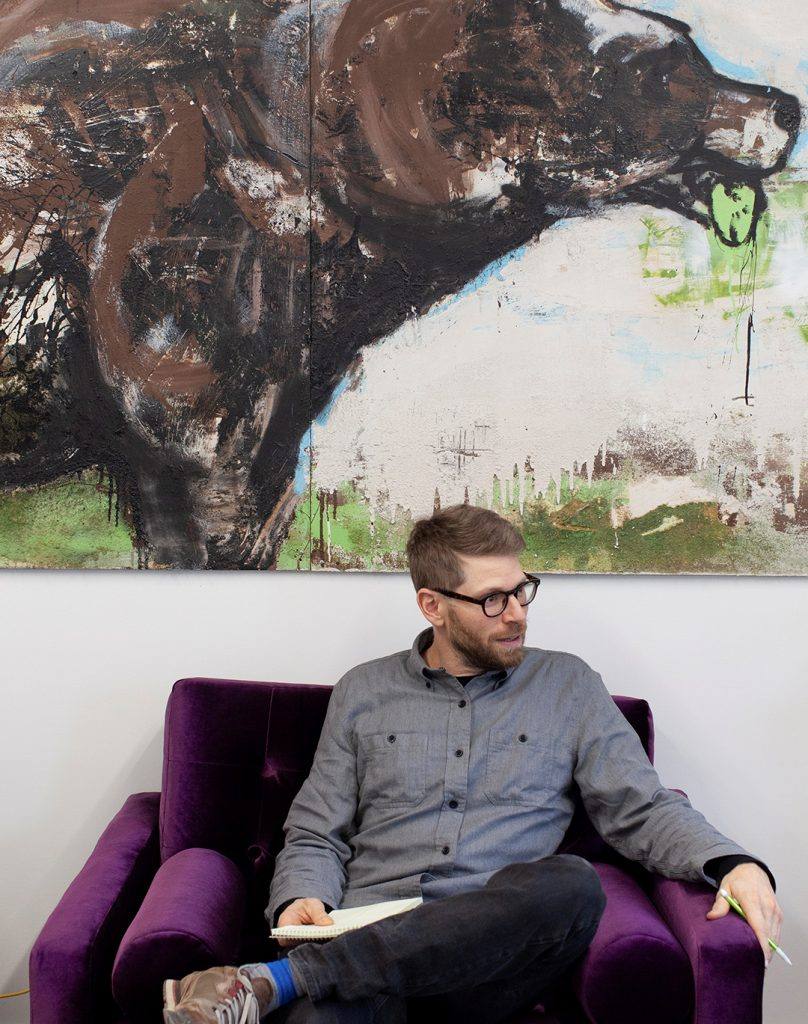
column 445, row 771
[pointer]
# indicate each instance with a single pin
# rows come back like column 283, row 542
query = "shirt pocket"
column 392, row 768
column 522, row 769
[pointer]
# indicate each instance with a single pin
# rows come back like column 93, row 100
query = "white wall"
column 89, row 660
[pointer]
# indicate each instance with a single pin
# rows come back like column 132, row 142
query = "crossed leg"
column 477, row 957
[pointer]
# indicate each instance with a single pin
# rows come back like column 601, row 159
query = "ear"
column 431, row 605
column 388, row 103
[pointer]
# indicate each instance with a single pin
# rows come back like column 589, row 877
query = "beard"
column 486, row 655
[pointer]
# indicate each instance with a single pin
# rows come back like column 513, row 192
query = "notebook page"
column 347, row 919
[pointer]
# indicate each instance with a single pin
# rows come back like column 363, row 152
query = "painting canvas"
column 279, row 278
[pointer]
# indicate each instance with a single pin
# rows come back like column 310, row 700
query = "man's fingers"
column 760, row 926
column 314, row 912
column 719, row 907
column 303, row 911
column 763, row 918
column 750, row 886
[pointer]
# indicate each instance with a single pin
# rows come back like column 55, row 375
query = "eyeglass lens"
column 495, row 604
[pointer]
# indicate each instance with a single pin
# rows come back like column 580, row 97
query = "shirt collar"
column 418, row 667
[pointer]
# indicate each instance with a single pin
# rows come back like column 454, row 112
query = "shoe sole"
column 170, row 994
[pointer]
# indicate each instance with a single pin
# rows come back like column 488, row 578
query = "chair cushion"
column 190, row 919
column 634, row 971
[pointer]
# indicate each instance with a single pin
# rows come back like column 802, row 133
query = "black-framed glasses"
column 496, row 603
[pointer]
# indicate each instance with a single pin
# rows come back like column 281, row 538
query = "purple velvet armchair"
column 179, row 880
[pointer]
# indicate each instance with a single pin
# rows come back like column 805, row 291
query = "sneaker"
column 220, row 995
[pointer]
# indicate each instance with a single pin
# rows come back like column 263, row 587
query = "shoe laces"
column 241, row 1008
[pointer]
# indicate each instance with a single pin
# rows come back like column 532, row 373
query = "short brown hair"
column 434, row 543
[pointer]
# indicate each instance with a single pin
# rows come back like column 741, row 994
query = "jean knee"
column 582, row 887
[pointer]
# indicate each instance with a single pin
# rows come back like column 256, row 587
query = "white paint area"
column 486, row 181
column 15, row 164
column 607, row 22
column 22, row 312
column 98, row 249
column 649, row 493
column 558, row 354
column 162, row 335
column 286, row 212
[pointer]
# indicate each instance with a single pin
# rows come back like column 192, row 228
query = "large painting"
column 279, row 278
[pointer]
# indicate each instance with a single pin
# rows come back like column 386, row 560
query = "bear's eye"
column 655, row 79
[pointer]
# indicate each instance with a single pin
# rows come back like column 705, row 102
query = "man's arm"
column 626, row 801
column 320, row 819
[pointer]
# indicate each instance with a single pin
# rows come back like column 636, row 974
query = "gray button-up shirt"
column 421, row 787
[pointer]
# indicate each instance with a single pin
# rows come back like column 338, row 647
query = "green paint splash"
column 63, row 525
column 567, row 528
column 733, row 210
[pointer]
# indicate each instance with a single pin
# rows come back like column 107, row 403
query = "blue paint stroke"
column 799, row 155
column 491, row 271
column 302, row 471
column 664, row 7
column 719, row 62
column 538, row 312
column 642, row 353
column 727, row 67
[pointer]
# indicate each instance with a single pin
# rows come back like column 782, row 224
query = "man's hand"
column 303, row 911
column 750, row 886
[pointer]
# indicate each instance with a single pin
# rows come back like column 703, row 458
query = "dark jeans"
column 474, row 957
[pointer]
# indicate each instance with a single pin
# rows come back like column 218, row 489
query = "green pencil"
column 739, row 910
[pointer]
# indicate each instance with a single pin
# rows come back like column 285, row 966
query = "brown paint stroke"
column 19, row 18
column 362, row 68
column 172, row 175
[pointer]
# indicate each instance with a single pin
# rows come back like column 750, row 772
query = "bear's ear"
column 403, row 102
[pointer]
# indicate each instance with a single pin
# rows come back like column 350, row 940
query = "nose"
column 787, row 114
column 514, row 611
column 756, row 129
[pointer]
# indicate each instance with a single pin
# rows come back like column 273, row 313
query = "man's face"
column 480, row 640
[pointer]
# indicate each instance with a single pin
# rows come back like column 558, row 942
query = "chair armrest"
column 725, row 955
column 190, row 919
column 71, row 961
column 634, row 969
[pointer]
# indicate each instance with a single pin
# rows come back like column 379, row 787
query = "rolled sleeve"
column 321, row 817
column 626, row 801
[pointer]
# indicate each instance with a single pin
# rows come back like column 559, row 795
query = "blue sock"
column 279, row 975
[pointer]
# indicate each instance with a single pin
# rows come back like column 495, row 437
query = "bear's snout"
column 755, row 129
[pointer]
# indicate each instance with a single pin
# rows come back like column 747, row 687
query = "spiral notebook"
column 346, row 920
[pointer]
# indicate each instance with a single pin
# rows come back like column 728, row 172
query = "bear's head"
column 554, row 106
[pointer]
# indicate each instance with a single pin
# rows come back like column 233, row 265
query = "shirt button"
column 522, row 738
column 428, row 685
column 391, row 738
column 458, row 753
column 453, row 803
column 461, row 704
column 445, row 850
